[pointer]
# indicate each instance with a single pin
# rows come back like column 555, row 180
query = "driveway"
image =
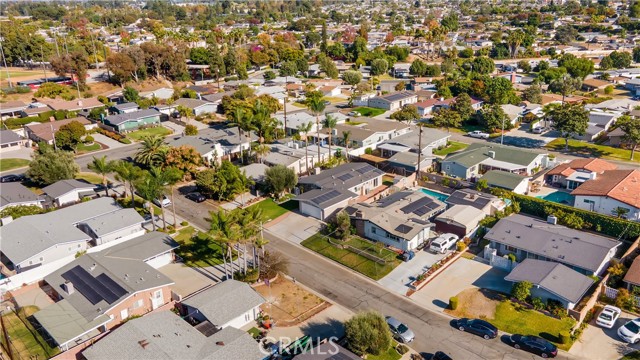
column 177, row 129
column 521, row 137
column 600, row 343
column 112, row 144
column 398, row 279
column 294, row 227
column 20, row 153
column 187, row 279
column 461, row 275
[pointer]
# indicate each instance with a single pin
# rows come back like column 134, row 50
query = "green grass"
column 531, row 322
column 158, row 130
column 200, row 250
column 593, row 150
column 452, row 146
column 299, row 104
column 271, row 210
column 254, row 332
column 8, row 164
column 26, row 341
column 390, row 354
column 82, row 148
column 334, row 99
column 12, row 74
column 359, row 263
column 368, row 111
column 634, row 355
column 89, row 177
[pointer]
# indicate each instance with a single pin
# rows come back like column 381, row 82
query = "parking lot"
column 600, row 343
column 399, row 279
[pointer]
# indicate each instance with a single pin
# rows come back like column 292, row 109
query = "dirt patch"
column 289, row 304
column 476, row 303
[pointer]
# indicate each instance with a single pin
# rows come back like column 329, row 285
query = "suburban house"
column 594, row 84
column 432, row 105
column 11, row 108
column 514, row 113
column 197, row 106
column 519, row 184
column 113, row 226
column 98, row 291
column 125, row 108
column 330, row 190
column 45, row 132
column 599, row 123
column 407, row 162
column 613, row 193
column 299, row 118
column 229, row 303
column 132, row 121
column 292, row 156
column 414, row 141
column 479, row 158
column 70, row 191
column 165, row 335
column 367, row 132
column 632, row 277
column 400, row 220
column 461, row 220
column 532, row 238
column 633, row 85
column 72, row 105
column 574, row 173
column 488, row 203
column 552, row 281
column 9, row 140
column 393, row 101
column 16, row 194
column 163, row 93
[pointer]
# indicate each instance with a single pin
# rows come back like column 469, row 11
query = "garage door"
column 160, row 261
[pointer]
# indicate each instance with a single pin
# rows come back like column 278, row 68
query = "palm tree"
column 261, row 151
column 330, row 123
column 149, row 189
column 152, row 151
column 249, row 220
column 158, row 175
column 102, row 167
column 226, row 230
column 127, row 173
column 317, row 106
column 240, row 119
column 244, row 182
column 262, row 122
column 346, row 138
column 171, row 176
column 305, row 128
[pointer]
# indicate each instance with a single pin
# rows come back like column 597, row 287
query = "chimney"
column 68, row 287
column 593, row 175
column 492, row 154
column 551, row 219
column 80, row 103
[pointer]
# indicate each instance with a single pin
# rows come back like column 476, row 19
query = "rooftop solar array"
column 345, row 177
column 326, row 196
column 420, row 207
column 404, row 229
column 95, row 289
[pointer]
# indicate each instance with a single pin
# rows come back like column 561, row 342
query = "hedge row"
column 603, row 224
column 16, row 123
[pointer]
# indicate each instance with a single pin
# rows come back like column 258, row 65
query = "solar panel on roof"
column 326, row 196
column 94, row 289
column 363, row 169
column 345, row 177
column 80, row 284
column 403, row 229
column 112, row 286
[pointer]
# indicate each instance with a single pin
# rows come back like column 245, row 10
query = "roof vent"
column 144, row 343
column 93, row 267
column 220, row 343
column 492, row 154
column 68, row 287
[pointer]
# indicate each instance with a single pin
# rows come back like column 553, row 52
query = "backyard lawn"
column 25, row 340
column 271, row 210
column 8, row 164
column 158, row 130
column 198, row 251
column 593, row 150
column 452, row 146
column 368, row 111
column 320, row 244
column 89, row 177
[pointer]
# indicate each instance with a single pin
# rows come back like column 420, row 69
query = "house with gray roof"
column 552, row 280
column 461, row 220
column 132, row 121
column 411, row 142
column 293, row 157
column 71, row 191
column 479, row 158
column 488, row 203
column 125, row 108
column 16, row 194
column 98, row 291
column 216, row 144
column 394, row 101
column 230, row 303
column 114, row 226
column 598, row 124
column 166, row 336
column 197, row 106
column 532, row 238
column 400, row 220
column 9, row 140
column 519, row 184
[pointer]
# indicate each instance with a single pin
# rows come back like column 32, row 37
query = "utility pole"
column 4, row 60
column 53, row 134
column 44, row 67
column 419, row 151
column 286, row 98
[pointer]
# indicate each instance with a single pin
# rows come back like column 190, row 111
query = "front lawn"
column 26, row 342
column 635, row 355
column 334, row 99
column 82, row 148
column 271, row 210
column 320, row 244
column 451, row 147
column 198, row 250
column 368, row 111
column 593, row 150
column 8, row 164
column 139, row 134
column 390, row 354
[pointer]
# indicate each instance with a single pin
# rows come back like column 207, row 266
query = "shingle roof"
column 556, row 278
column 44, row 130
column 64, row 323
column 344, row 176
column 503, row 179
column 143, row 247
column 125, row 106
column 478, row 152
column 477, row 199
column 15, row 193
column 191, row 103
column 106, row 224
column 465, row 215
column 621, row 185
column 62, row 187
column 633, row 275
column 326, row 197
column 397, row 96
column 8, row 136
column 140, row 114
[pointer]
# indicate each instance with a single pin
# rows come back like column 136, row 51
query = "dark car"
column 440, row 356
column 478, row 327
column 534, row 344
column 196, row 196
column 11, row 178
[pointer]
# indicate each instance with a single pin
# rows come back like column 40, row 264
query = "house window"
column 375, row 182
column 138, row 304
column 373, row 230
column 510, row 248
column 247, row 317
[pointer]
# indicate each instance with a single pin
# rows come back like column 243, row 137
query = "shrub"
column 251, row 276
column 521, row 290
column 512, row 257
column 453, row 302
column 460, row 246
column 184, row 223
column 537, row 303
column 190, row 130
column 368, row 151
column 565, row 337
column 88, row 139
column 125, row 140
column 402, row 349
column 624, row 300
column 171, row 228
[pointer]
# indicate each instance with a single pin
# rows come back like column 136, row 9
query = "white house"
column 71, row 191
column 16, row 194
column 393, row 101
column 613, row 192
column 116, row 225
column 9, row 140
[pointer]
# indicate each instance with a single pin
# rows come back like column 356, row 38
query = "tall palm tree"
column 102, row 166
column 317, row 106
column 225, row 229
column 158, row 175
column 346, row 138
column 261, row 151
column 242, row 121
column 262, row 122
column 305, row 128
column 330, row 123
column 171, row 176
column 249, row 220
column 129, row 174
column 151, row 152
column 149, row 189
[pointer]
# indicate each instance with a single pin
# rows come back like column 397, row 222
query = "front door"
column 157, row 299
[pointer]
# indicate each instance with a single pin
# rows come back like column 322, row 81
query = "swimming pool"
column 438, row 195
column 559, row 197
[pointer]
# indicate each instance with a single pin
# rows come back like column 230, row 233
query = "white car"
column 630, row 332
column 443, row 243
column 478, row 134
column 162, row 202
column 608, row 316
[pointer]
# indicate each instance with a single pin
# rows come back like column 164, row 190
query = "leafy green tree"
column 408, row 113
column 379, row 67
column 566, row 34
column 343, row 224
column 149, row 190
column 620, row 59
column 152, row 151
column 328, row 67
column 21, row 210
column 447, row 118
column 524, row 65
column 514, row 40
column 450, row 22
column 269, row 75
column 352, row 77
column 532, row 94
column 630, row 126
column 317, row 105
column 288, row 68
column 500, row 91
column 418, row 68
column 400, row 86
column 432, row 70
column 571, row 120
column 129, row 174
column 565, row 86
column 74, row 63
column 481, row 184
column 48, row 165
column 69, row 135
column 367, row 333
column 521, row 290
column 102, row 167
column 223, row 183
column 463, row 106
column 494, row 118
column 636, row 50
column 577, row 67
column 279, row 179
column 130, row 94
column 303, row 132
column 224, row 229
column 184, row 158
column 190, row 130
column 200, row 55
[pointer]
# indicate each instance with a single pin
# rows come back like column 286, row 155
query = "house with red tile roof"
column 614, row 193
column 572, row 174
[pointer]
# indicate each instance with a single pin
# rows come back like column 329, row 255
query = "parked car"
column 608, row 316
column 11, row 178
column 354, row 114
column 162, row 202
column 477, row 327
column 534, row 344
column 478, row 134
column 540, row 130
column 196, row 196
column 443, row 243
column 630, row 332
column 399, row 330
column 439, row 355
